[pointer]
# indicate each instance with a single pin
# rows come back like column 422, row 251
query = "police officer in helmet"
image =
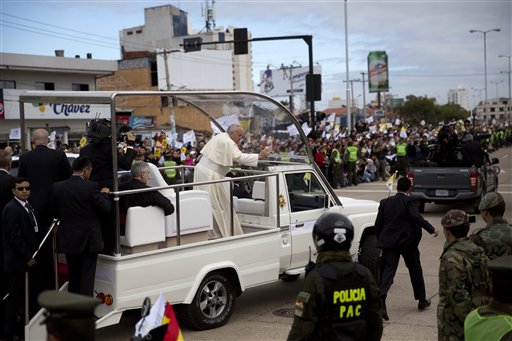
column 340, row 299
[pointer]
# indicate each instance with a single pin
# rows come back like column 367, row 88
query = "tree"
column 415, row 109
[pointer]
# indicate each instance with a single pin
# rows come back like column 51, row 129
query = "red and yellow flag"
column 173, row 330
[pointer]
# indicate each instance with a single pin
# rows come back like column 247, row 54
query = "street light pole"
column 497, row 82
column 509, row 86
column 349, row 105
column 485, row 53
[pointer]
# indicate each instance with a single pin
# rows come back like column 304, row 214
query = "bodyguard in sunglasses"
column 19, row 227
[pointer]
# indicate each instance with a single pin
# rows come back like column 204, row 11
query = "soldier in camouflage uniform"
column 464, row 282
column 496, row 237
column 340, row 299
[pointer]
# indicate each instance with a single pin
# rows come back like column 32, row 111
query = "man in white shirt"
column 218, row 156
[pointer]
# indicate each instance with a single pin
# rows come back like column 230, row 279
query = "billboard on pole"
column 378, row 76
column 281, row 82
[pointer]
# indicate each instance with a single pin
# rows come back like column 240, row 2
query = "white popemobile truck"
column 174, row 256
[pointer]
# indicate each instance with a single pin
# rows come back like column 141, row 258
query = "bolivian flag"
column 173, row 329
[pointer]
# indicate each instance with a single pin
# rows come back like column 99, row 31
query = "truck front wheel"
column 213, row 303
column 369, row 256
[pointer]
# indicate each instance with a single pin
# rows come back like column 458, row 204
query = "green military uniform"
column 340, row 300
column 494, row 321
column 68, row 316
column 463, row 285
column 495, row 238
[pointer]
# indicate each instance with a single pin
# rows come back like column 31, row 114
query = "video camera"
column 100, row 129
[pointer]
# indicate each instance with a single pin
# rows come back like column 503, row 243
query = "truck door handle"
column 300, row 225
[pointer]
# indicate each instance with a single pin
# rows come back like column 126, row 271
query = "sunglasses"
column 26, row 188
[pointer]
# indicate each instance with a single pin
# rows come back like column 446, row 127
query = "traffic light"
column 192, row 44
column 313, row 87
column 241, row 43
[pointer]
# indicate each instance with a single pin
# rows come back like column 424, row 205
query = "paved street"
column 254, row 317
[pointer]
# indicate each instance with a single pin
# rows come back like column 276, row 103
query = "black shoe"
column 423, row 304
column 383, row 310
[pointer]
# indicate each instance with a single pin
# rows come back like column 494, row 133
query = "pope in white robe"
column 218, row 156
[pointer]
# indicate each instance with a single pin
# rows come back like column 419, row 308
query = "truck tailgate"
column 442, row 178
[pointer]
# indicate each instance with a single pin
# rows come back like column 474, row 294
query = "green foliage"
column 415, row 109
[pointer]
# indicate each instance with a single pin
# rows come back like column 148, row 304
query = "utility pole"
column 290, row 76
column 172, row 121
column 509, row 85
column 364, row 94
column 351, row 81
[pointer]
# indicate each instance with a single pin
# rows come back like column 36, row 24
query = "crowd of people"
column 48, row 187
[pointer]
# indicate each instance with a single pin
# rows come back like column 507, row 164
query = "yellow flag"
column 83, row 141
column 391, row 180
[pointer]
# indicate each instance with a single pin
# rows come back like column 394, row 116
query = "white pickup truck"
column 174, row 256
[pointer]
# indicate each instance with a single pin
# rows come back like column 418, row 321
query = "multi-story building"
column 498, row 109
column 21, row 72
column 165, row 28
column 459, row 96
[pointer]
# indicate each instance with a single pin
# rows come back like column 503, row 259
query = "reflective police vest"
column 478, row 327
column 344, row 310
column 352, row 154
column 401, row 149
column 171, row 172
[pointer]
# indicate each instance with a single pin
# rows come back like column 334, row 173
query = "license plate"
column 441, row 192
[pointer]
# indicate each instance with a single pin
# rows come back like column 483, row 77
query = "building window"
column 7, row 84
column 138, row 31
column 80, row 87
column 129, row 33
column 493, row 109
column 222, row 37
column 154, row 73
column 45, row 86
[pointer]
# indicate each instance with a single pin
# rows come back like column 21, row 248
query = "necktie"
column 32, row 216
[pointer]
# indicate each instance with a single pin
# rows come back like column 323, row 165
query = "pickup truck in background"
column 452, row 183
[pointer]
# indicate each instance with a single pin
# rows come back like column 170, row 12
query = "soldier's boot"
column 383, row 310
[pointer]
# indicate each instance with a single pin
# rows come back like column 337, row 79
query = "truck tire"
column 289, row 278
column 212, row 305
column 369, row 256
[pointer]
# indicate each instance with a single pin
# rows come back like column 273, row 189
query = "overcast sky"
column 428, row 43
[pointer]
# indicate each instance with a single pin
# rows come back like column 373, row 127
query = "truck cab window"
column 305, row 192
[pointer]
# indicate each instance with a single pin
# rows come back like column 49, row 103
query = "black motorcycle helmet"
column 332, row 232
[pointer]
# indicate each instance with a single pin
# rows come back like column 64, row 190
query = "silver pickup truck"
column 453, row 183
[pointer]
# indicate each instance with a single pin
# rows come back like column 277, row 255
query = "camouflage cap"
column 62, row 304
column 454, row 218
column 490, row 200
column 501, row 264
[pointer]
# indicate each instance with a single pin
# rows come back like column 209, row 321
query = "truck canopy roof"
column 264, row 120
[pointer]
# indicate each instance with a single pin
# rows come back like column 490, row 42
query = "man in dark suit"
column 99, row 150
column 78, row 204
column 5, row 196
column 19, row 228
column 43, row 166
column 398, row 227
column 140, row 176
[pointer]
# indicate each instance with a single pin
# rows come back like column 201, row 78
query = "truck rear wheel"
column 213, row 303
column 369, row 256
